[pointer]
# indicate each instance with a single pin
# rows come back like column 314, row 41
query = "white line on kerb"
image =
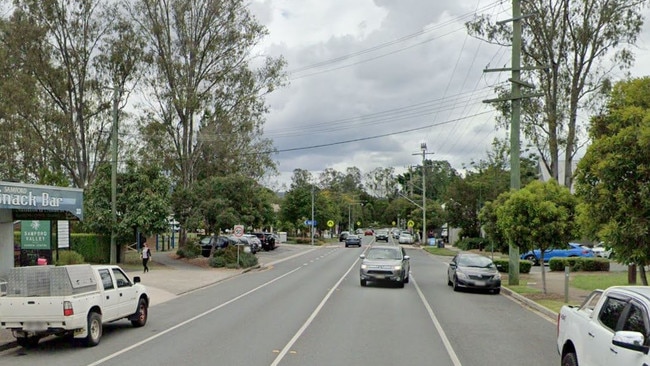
column 311, row 318
column 436, row 323
column 135, row 345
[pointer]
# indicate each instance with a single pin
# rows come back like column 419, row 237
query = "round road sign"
column 330, row 223
column 410, row 223
column 239, row 230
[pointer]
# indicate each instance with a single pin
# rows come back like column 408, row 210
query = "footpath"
column 171, row 277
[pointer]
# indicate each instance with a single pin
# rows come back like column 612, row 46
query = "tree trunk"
column 644, row 279
column 631, row 274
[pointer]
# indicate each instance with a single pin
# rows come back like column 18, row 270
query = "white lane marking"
column 311, row 317
column 127, row 349
column 436, row 323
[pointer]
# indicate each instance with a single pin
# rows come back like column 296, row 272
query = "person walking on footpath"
column 146, row 255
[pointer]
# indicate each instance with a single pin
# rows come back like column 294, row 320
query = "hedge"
column 93, row 248
column 579, row 264
column 503, row 265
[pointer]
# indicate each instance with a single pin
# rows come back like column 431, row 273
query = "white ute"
column 612, row 327
column 73, row 299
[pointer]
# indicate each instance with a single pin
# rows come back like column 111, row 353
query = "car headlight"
column 461, row 275
column 364, row 266
column 497, row 276
column 397, row 268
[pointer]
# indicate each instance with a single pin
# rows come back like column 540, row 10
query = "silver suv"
column 385, row 263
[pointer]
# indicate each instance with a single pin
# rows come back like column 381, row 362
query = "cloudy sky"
column 370, row 80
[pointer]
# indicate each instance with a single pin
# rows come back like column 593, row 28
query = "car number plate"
column 480, row 283
column 34, row 326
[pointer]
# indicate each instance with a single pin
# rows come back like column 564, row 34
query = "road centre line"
column 436, row 323
column 144, row 341
column 311, row 317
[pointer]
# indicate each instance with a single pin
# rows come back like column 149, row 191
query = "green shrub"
column 504, row 265
column 473, row 243
column 191, row 250
column 69, row 257
column 576, row 264
column 228, row 258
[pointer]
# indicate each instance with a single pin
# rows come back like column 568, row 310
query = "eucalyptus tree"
column 205, row 91
column 68, row 59
column 570, row 49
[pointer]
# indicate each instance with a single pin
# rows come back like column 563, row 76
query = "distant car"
column 267, row 240
column 395, row 233
column 571, row 250
column 469, row 270
column 353, row 239
column 369, row 232
column 405, row 238
column 358, row 231
column 385, row 263
column 343, row 235
column 381, row 235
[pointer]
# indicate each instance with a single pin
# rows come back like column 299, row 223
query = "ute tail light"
column 67, row 308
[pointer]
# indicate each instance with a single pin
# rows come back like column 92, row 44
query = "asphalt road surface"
column 311, row 310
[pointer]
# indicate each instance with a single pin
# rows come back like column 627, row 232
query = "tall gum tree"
column 574, row 45
column 203, row 90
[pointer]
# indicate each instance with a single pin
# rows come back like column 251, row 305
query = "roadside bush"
column 192, row 249
column 576, row 264
column 473, row 243
column 69, row 257
column 228, row 258
column 504, row 265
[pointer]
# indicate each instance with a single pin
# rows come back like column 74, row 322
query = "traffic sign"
column 410, row 223
column 330, row 223
column 311, row 223
column 239, row 230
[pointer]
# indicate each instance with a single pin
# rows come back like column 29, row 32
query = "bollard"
column 566, row 284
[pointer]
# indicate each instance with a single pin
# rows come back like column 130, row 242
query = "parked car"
column 254, row 242
column 267, row 241
column 385, row 263
column 353, row 239
column 571, row 250
column 358, row 231
column 343, row 235
column 214, row 242
column 600, row 250
column 271, row 240
column 405, row 238
column 470, row 270
column 382, row 235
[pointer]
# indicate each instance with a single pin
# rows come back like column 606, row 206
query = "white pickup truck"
column 73, row 299
column 612, row 327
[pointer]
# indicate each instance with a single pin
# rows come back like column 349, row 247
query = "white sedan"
column 406, row 238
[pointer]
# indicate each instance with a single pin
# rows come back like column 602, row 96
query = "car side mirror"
column 630, row 340
column 452, row 265
column 362, row 256
column 136, row 279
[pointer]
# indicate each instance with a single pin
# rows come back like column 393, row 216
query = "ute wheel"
column 569, row 359
column 27, row 342
column 533, row 259
column 364, row 283
column 140, row 316
column 94, row 329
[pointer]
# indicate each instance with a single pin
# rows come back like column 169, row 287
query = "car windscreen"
column 384, row 253
column 475, row 261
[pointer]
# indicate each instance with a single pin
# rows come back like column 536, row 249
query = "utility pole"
column 423, row 147
column 113, row 251
column 312, row 214
column 515, row 118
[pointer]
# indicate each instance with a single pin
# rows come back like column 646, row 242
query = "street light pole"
column 312, row 214
column 423, row 147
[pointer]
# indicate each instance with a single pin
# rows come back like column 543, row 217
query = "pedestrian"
column 145, row 255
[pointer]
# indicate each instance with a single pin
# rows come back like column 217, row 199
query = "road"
column 311, row 310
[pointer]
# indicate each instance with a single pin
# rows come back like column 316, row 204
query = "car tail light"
column 67, row 308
